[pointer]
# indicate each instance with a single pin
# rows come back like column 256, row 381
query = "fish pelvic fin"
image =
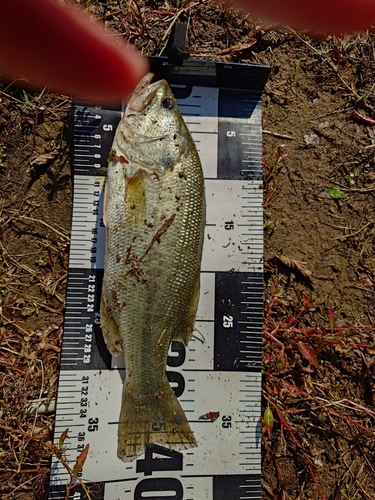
column 152, row 418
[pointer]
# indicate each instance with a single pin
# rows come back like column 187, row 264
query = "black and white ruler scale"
column 217, row 377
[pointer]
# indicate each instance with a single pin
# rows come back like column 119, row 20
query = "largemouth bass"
column 154, row 217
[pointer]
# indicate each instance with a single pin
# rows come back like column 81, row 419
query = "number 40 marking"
column 159, row 488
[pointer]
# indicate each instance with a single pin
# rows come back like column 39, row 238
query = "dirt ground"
column 319, row 186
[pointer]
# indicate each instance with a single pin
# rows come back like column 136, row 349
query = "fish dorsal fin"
column 135, row 199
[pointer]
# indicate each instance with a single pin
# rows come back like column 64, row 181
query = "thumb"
column 49, row 44
column 329, row 16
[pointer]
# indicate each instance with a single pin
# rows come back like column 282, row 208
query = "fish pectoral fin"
column 135, row 199
column 152, row 418
column 184, row 330
column 110, row 330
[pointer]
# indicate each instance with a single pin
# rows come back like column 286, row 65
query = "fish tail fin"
column 152, row 418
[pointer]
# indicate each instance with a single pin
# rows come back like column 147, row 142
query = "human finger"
column 328, row 16
column 49, row 44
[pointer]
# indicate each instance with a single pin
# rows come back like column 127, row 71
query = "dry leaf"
column 44, row 158
column 40, row 432
column 238, row 47
column 54, row 319
column 296, row 266
column 27, row 311
column 50, row 347
column 211, row 415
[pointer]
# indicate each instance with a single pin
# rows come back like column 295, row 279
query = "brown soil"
column 319, row 249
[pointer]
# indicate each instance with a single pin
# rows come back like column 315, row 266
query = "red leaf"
column 331, row 318
column 62, row 438
column 308, row 353
column 307, row 303
column 81, row 459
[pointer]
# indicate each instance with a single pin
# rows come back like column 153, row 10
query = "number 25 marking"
column 227, row 321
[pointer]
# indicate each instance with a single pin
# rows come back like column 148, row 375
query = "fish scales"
column 154, row 216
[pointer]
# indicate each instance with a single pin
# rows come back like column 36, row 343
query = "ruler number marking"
column 150, row 464
column 156, row 488
column 84, row 391
column 226, row 422
column 177, row 382
column 81, row 436
column 93, row 425
column 89, row 329
column 163, row 485
column 175, row 360
column 228, row 321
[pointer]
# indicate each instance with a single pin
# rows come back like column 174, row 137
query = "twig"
column 6, row 428
column 272, row 337
column 277, row 134
column 175, row 17
column 45, row 224
column 352, row 403
column 23, row 484
column 356, row 232
column 15, row 324
column 39, row 398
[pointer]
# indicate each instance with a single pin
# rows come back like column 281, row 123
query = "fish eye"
column 167, row 103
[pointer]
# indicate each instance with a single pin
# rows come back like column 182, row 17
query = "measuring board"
column 218, row 375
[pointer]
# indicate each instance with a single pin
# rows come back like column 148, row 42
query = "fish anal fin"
column 135, row 199
column 110, row 330
column 184, row 330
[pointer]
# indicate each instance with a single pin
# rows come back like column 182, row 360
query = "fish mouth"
column 142, row 95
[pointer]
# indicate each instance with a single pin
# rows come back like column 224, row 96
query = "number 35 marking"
column 226, row 422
